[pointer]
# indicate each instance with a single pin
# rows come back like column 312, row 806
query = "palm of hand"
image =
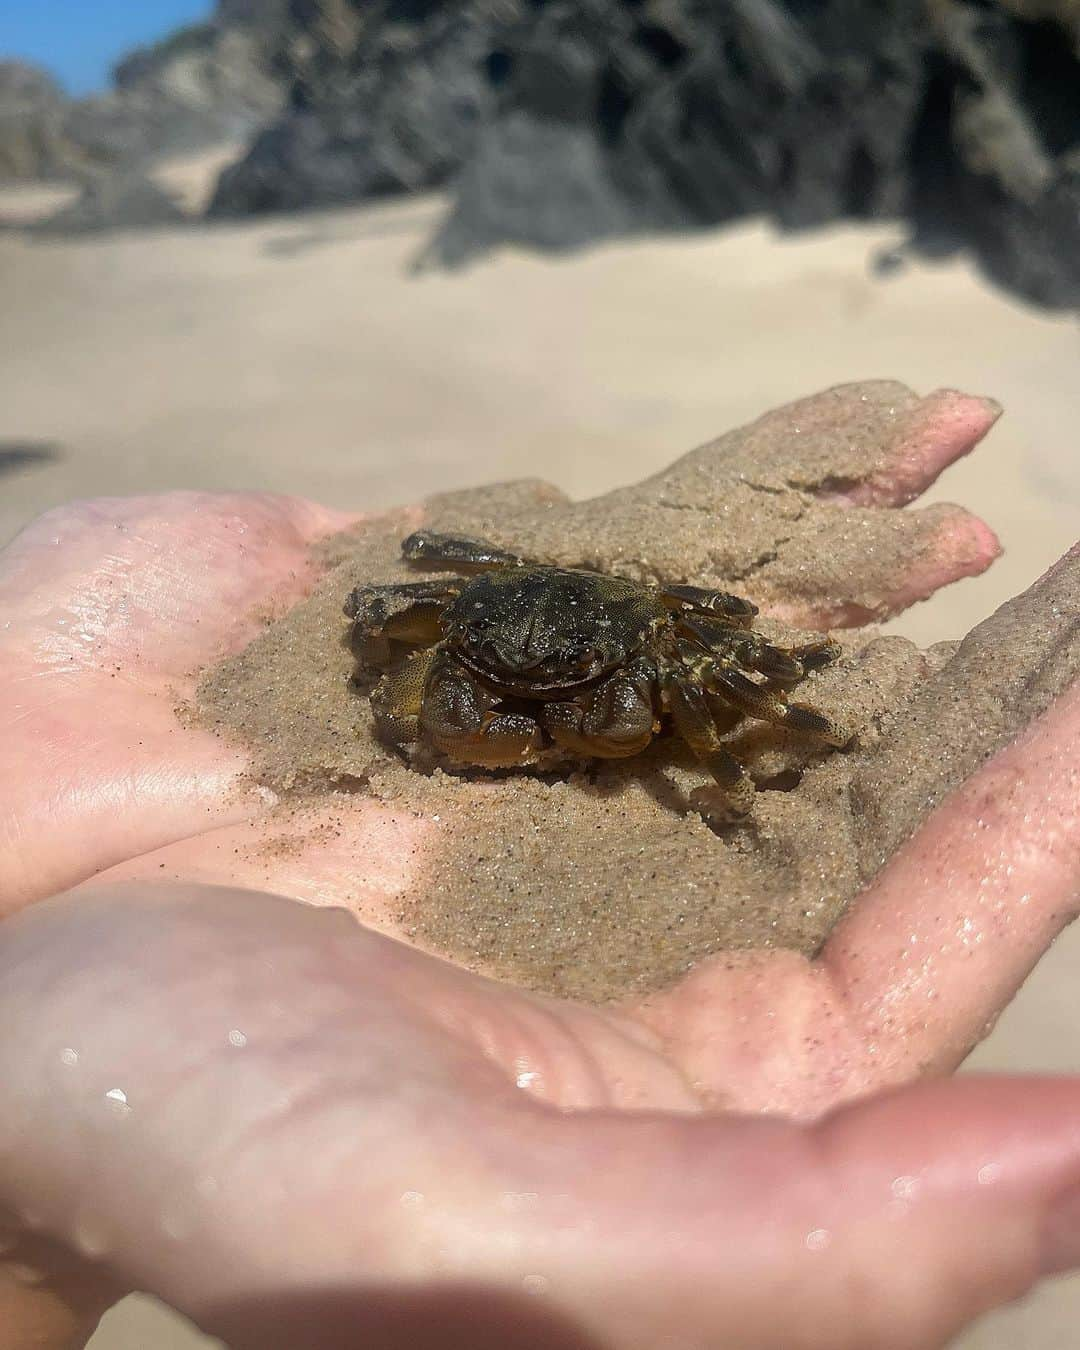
column 113, row 608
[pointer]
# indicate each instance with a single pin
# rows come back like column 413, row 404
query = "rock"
column 124, row 199
column 32, row 140
column 206, row 83
column 557, row 122
column 968, row 126
column 702, row 116
column 1064, row 13
column 1001, row 174
column 376, row 108
column 541, row 183
column 200, row 85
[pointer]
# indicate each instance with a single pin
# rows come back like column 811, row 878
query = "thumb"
column 889, row 1225
column 348, row 1172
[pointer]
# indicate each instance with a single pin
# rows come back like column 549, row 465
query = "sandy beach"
column 305, row 355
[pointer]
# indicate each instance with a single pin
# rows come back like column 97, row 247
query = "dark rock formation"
column 564, row 121
column 545, row 183
column 1004, row 174
column 713, row 113
column 380, row 104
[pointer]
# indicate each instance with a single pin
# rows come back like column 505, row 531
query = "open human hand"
column 440, row 1098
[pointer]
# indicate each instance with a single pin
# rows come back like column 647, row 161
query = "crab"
column 498, row 667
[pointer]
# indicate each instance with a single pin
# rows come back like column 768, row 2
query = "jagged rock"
column 962, row 117
column 403, row 118
column 703, row 115
column 1065, row 13
column 1004, row 164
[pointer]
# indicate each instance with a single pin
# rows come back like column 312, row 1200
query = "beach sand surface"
column 305, row 355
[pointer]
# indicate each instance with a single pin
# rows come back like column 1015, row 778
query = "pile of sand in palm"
column 596, row 881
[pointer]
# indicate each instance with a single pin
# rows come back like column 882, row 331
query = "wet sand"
column 598, row 880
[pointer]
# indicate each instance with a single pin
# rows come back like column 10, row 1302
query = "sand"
column 300, row 355
column 598, row 880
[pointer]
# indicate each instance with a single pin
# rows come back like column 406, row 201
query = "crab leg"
column 721, row 604
column 781, row 666
column 694, row 723
column 375, row 605
column 453, row 550
column 763, row 703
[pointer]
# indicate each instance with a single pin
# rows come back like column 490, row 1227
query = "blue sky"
column 78, row 40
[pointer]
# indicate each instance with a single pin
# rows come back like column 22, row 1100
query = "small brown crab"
column 495, row 668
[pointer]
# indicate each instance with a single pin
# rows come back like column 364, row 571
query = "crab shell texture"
column 499, row 665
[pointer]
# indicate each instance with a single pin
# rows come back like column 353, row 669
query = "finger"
column 876, row 1198
column 873, row 443
column 968, row 904
column 925, row 947
column 1006, row 671
column 811, row 563
column 862, row 566
column 980, row 1150
column 343, row 1152
column 600, row 1246
column 928, row 957
column 788, row 511
column 940, row 429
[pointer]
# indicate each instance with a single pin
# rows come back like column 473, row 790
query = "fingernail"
column 1061, row 1234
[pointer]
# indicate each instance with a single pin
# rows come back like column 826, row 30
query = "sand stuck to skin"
column 597, row 881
